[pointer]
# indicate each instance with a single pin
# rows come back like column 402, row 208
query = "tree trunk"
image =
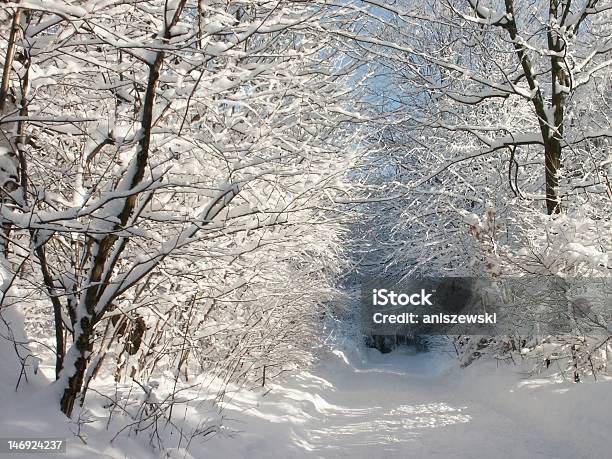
column 78, row 357
column 77, row 360
column 560, row 86
column 552, row 163
column 8, row 61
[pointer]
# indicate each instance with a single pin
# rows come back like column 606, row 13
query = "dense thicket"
column 168, row 171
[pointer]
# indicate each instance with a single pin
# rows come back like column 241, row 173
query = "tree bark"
column 4, row 88
column 560, row 86
column 79, row 353
column 552, row 164
column 8, row 61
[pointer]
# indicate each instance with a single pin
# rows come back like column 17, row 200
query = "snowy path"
column 414, row 406
column 361, row 404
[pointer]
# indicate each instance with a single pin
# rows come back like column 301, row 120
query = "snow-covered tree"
column 179, row 164
column 482, row 112
column 491, row 108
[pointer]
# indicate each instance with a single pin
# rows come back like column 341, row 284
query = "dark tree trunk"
column 552, row 163
column 80, row 352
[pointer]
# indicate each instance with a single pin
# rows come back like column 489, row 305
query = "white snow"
column 371, row 405
column 360, row 404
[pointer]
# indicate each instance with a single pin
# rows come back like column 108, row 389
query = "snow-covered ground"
column 359, row 403
column 421, row 406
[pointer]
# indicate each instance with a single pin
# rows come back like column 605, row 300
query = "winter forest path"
column 417, row 406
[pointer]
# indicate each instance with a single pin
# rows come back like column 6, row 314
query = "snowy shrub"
column 178, row 168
